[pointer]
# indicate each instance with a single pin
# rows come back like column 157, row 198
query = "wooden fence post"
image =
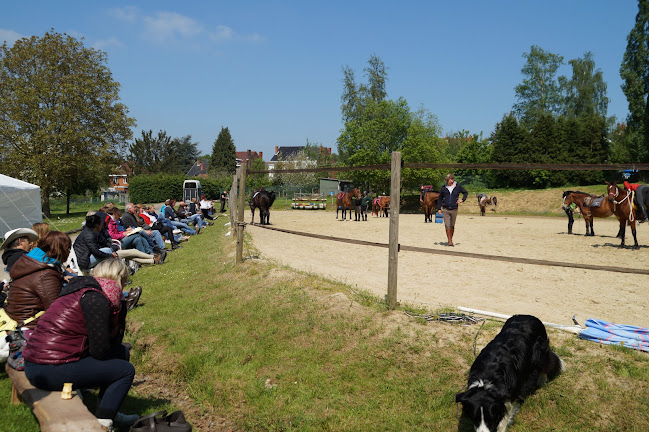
column 232, row 203
column 240, row 208
column 395, row 198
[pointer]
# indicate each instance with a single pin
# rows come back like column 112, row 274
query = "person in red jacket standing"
column 641, row 195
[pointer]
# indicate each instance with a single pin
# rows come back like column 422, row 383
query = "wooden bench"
column 53, row 413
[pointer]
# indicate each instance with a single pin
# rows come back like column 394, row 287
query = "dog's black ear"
column 460, row 397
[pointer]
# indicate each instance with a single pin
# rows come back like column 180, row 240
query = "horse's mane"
column 568, row 192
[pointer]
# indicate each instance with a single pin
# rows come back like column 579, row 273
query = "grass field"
column 257, row 347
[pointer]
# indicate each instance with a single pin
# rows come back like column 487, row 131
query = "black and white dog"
column 511, row 367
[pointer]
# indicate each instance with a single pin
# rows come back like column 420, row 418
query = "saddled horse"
column 484, row 201
column 428, row 203
column 621, row 201
column 589, row 206
column 381, row 205
column 344, row 202
column 262, row 199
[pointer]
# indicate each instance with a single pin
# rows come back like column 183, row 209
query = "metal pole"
column 240, row 222
column 395, row 198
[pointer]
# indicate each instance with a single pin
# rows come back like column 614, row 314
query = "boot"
column 449, row 236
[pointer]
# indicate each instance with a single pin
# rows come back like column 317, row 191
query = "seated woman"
column 165, row 230
column 79, row 340
column 91, row 249
column 137, row 241
column 37, row 278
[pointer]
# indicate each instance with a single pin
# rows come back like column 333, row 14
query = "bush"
column 160, row 187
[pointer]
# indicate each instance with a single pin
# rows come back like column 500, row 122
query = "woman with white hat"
column 17, row 243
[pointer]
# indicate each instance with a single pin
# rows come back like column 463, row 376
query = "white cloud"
column 9, row 36
column 222, row 34
column 128, row 13
column 170, row 26
column 104, row 44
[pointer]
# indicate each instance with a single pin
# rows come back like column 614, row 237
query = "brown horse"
column 344, row 202
column 621, row 201
column 429, row 204
column 484, row 201
column 381, row 205
column 583, row 202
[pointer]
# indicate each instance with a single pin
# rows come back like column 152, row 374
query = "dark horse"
column 428, row 204
column 583, row 202
column 484, row 201
column 344, row 202
column 622, row 205
column 262, row 200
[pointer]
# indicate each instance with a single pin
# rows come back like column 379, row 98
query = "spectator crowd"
column 69, row 299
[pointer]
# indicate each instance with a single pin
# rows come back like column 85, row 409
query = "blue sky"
column 270, row 71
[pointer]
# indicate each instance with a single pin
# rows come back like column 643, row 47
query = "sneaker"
column 133, row 297
column 644, row 220
column 126, row 419
column 168, row 241
column 106, row 424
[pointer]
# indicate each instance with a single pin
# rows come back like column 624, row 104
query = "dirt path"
column 553, row 294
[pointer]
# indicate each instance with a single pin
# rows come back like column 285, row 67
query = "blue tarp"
column 624, row 335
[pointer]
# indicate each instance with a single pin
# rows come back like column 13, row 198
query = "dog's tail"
column 554, row 366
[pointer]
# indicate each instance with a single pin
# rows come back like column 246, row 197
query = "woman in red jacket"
column 641, row 195
column 79, row 340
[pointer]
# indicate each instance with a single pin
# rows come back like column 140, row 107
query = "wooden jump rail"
column 53, row 413
column 459, row 254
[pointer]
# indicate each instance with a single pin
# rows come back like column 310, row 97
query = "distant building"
column 244, row 156
column 199, row 169
column 118, row 183
column 284, row 153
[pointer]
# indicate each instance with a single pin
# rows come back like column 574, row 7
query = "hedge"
column 153, row 188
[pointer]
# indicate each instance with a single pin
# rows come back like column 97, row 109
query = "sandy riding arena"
column 554, row 294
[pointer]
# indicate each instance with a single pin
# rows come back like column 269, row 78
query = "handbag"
column 161, row 422
column 6, row 323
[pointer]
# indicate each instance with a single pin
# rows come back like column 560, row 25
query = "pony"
column 344, row 202
column 484, row 201
column 582, row 201
column 262, row 200
column 428, row 203
column 380, row 206
column 622, row 204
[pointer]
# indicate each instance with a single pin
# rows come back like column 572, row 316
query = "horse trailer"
column 192, row 189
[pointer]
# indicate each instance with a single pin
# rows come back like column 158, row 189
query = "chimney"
column 276, row 149
column 261, row 155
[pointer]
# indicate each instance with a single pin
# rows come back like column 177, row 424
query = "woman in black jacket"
column 449, row 199
column 89, row 246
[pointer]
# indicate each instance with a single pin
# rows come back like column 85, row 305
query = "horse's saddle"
column 593, row 201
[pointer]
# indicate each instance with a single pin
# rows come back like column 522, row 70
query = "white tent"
column 20, row 204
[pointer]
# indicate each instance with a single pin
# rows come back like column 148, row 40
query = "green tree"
column 355, row 97
column 584, row 94
column 477, row 150
column 509, row 145
column 539, row 93
column 635, row 74
column 185, row 154
column 151, row 155
column 224, row 153
column 256, row 181
column 60, row 112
